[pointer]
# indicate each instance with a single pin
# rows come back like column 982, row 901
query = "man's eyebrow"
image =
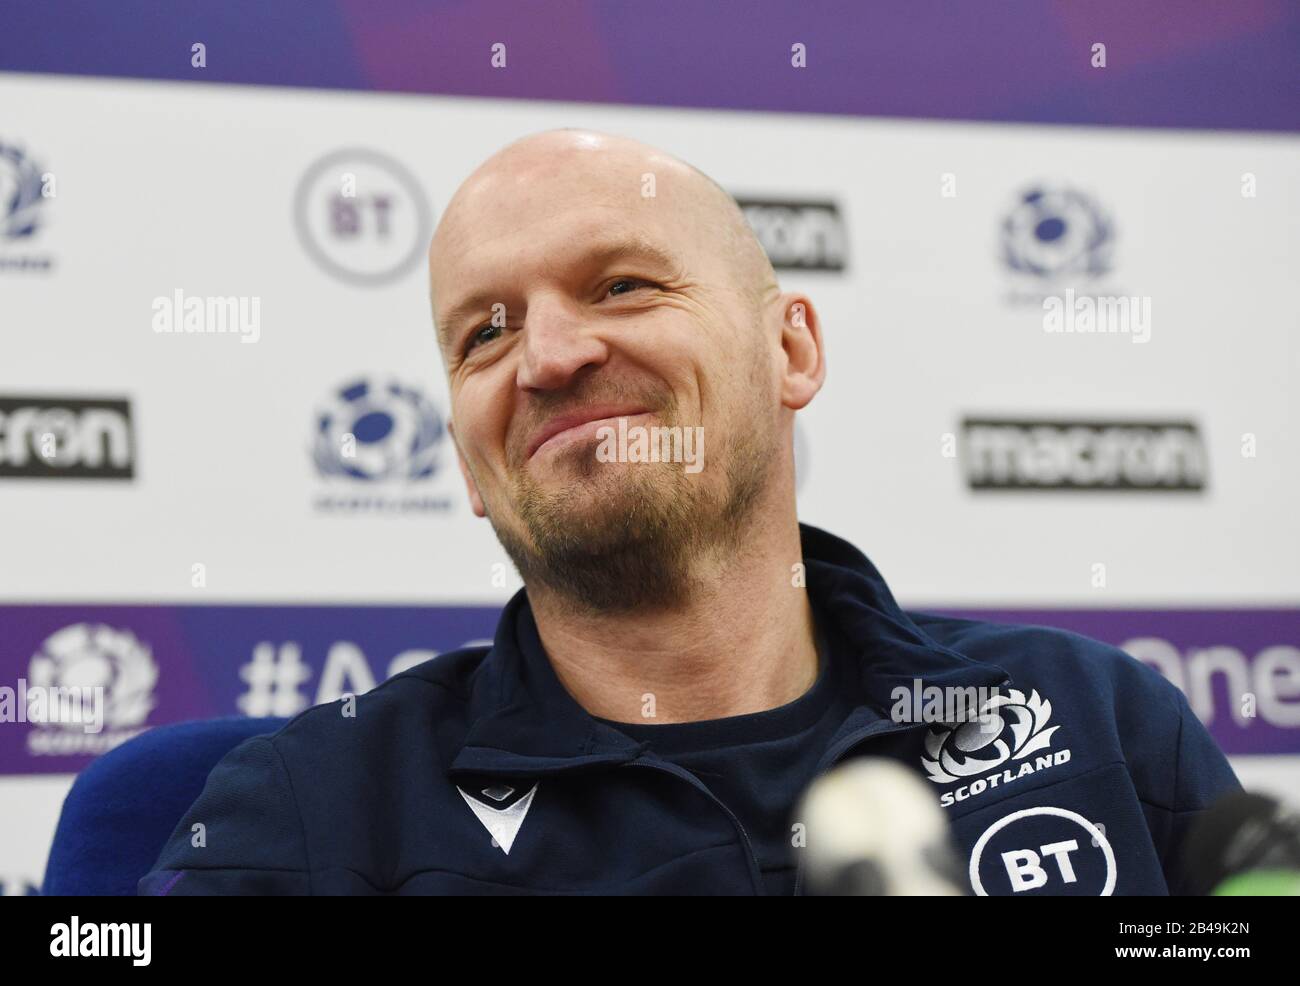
column 631, row 248
column 600, row 253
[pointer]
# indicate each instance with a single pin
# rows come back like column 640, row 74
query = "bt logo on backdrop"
column 362, row 217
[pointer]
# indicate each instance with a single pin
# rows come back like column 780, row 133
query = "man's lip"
column 563, row 422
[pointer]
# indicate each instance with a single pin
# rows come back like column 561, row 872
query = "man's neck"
column 743, row 642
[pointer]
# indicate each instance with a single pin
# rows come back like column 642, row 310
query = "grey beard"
column 638, row 552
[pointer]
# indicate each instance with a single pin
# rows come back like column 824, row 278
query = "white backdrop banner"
column 1061, row 377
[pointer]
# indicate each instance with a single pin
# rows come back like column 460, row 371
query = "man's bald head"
column 645, row 173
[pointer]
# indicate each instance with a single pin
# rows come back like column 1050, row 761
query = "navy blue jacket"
column 476, row 772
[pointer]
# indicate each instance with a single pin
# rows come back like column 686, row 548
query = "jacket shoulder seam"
column 403, row 676
column 293, row 797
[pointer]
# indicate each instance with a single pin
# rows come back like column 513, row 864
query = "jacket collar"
column 525, row 723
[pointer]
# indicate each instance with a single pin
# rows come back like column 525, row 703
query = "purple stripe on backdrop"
column 1198, row 63
column 162, row 664
column 1240, row 668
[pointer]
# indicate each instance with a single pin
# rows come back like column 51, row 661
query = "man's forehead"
column 508, row 230
column 559, row 208
column 551, row 176
column 554, row 235
column 559, row 202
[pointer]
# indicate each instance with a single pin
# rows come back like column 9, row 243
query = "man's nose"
column 558, row 344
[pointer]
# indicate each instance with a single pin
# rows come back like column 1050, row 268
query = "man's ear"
column 805, row 357
column 475, row 501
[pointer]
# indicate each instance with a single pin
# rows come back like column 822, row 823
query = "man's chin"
column 571, row 476
column 607, row 503
column 605, row 547
column 614, row 508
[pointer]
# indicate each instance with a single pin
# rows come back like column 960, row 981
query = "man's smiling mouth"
column 578, row 424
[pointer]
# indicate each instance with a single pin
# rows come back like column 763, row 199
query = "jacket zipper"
column 755, row 872
column 832, row 758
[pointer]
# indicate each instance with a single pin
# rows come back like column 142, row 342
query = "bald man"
column 686, row 657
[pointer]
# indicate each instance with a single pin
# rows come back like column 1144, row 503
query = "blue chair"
column 125, row 805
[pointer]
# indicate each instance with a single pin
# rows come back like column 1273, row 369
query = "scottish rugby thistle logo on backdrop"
column 377, row 443
column 93, row 656
column 1052, row 237
column 25, row 188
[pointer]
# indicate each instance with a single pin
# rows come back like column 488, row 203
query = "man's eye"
column 483, row 334
column 625, row 284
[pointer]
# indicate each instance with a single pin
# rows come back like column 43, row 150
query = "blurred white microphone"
column 875, row 830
